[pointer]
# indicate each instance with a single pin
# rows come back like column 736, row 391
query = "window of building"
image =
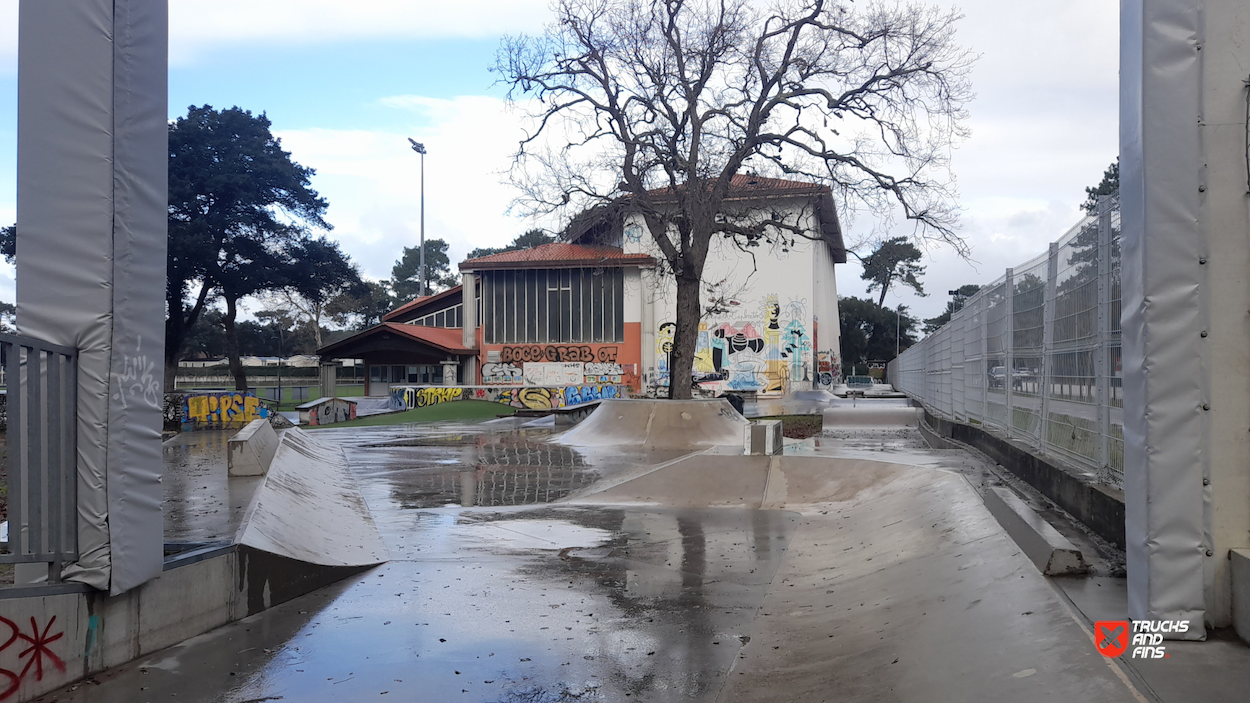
column 450, row 317
column 554, row 306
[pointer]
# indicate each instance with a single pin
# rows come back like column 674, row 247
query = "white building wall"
column 760, row 336
column 827, row 334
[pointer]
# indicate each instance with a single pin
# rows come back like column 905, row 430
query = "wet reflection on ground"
column 201, row 504
column 465, row 464
column 541, row 604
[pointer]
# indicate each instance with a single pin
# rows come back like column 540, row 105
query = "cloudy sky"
column 345, row 84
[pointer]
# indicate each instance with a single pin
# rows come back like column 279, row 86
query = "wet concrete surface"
column 202, row 503
column 909, row 592
column 584, row 604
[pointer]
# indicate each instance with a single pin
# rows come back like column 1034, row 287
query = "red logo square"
column 1111, row 637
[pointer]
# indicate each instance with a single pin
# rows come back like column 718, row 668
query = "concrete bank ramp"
column 309, row 508
column 659, row 424
column 719, row 480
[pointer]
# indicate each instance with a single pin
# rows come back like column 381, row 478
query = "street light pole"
column 420, row 149
column 898, row 325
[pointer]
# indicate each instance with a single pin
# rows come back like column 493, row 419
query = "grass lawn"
column 455, row 410
column 798, row 426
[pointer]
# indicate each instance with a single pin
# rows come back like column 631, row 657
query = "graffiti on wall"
column 828, row 368
column 761, row 354
column 501, row 373
column 556, row 352
column 410, row 397
column 530, row 398
column 331, row 411
column 220, row 410
column 32, row 649
column 553, row 374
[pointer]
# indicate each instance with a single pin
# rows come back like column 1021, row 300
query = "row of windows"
column 449, row 317
column 552, row 306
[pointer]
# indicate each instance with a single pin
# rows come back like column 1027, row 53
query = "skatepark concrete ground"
column 862, row 565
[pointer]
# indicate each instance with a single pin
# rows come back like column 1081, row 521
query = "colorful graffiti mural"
column 530, row 398
column 33, row 648
column 828, row 368
column 501, row 374
column 556, row 353
column 331, row 411
column 220, row 410
column 764, row 354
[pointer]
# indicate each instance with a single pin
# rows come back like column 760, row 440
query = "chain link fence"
column 1035, row 355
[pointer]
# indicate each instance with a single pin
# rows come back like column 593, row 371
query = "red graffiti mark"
column 37, row 650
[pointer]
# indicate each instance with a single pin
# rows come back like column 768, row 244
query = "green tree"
column 237, row 206
column 1109, row 185
column 671, row 99
column 959, row 296
column 406, row 274
column 319, row 273
column 363, row 307
column 869, row 332
column 526, row 240
column 8, row 243
column 893, row 260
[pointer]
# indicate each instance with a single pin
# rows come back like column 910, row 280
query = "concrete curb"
column 1050, row 551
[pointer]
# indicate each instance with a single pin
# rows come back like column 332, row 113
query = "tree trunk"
column 884, row 287
column 685, row 337
column 232, row 343
column 176, row 329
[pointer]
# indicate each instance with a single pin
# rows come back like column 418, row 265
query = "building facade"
column 600, row 309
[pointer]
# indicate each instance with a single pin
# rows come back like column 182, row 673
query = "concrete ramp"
column 720, row 480
column 310, row 508
column 659, row 424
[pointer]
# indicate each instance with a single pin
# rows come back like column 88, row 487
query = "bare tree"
column 656, row 105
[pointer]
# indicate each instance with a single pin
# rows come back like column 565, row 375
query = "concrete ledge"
column 86, row 631
column 1050, row 551
column 1240, row 569
column 762, row 437
column 249, row 451
column 1100, row 508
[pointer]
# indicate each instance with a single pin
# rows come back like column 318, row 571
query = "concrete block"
column 251, row 449
column 1240, row 568
column 1050, row 551
column 186, row 601
column 762, row 437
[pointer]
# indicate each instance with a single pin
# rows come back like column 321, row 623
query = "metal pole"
column 898, row 321
column 420, row 149
column 422, row 265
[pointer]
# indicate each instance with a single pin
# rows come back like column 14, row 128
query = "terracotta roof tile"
column 446, row 339
column 557, row 255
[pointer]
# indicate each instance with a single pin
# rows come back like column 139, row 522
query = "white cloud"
column 196, row 26
column 372, row 179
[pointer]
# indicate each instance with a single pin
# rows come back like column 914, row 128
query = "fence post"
column 1048, row 338
column 1009, row 344
column 1102, row 357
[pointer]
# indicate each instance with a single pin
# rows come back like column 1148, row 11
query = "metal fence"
column 1035, row 355
column 42, row 389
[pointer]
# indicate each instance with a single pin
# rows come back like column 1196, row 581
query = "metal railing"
column 42, row 391
column 1035, row 355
